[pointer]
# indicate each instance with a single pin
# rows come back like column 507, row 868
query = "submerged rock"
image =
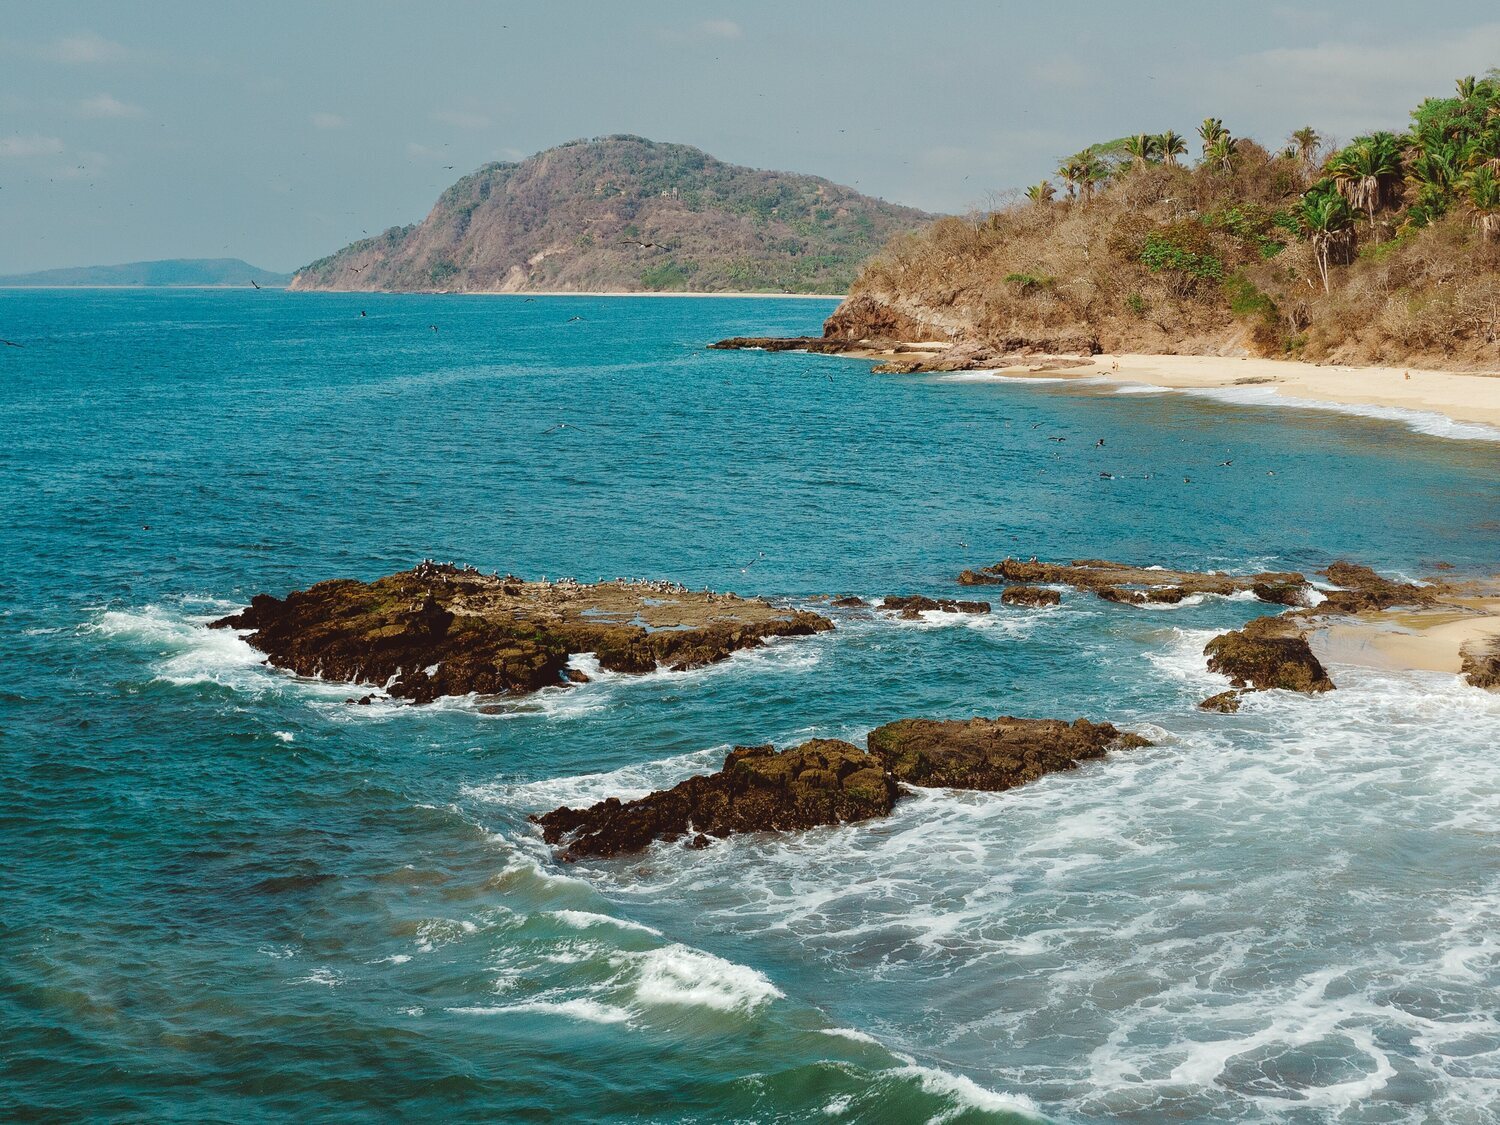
column 1226, row 702
column 444, row 630
column 760, row 789
column 1269, row 652
column 991, row 754
column 1029, row 595
column 913, row 606
column 1138, row 585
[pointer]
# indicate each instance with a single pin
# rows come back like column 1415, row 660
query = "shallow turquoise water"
column 230, row 896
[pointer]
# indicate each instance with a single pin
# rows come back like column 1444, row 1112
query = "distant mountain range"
column 170, row 272
column 624, row 213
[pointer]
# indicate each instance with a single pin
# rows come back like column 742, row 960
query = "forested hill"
column 624, row 213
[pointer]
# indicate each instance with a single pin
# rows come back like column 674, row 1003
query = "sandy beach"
column 1461, row 396
column 1428, row 640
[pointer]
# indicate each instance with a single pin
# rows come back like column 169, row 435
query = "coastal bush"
column 1338, row 256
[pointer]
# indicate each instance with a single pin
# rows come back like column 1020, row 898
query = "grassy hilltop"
column 624, row 213
column 1384, row 250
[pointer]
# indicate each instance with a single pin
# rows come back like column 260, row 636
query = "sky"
column 279, row 130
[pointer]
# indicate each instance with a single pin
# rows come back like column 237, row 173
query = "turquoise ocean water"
column 226, row 895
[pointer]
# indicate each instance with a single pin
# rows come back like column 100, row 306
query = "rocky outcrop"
column 865, row 318
column 912, row 606
column 1225, row 703
column 443, row 630
column 1362, row 591
column 1029, row 596
column 781, row 344
column 991, row 754
column 825, row 781
column 1269, row 652
column 1479, row 663
column 1138, row 585
column 760, row 789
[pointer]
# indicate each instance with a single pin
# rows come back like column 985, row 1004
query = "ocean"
column 228, row 895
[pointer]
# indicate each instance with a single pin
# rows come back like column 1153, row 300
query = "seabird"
column 637, row 242
column 11, row 344
column 1222, row 464
column 433, row 327
column 363, row 313
column 1057, row 439
column 561, row 426
column 255, row 283
column 1098, row 443
column 1107, row 476
column 571, row 319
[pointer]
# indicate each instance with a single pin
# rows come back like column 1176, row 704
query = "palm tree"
column 1327, row 222
column 1482, row 200
column 1070, row 172
column 1141, row 147
column 1091, row 173
column 1043, row 192
column 1171, row 146
column 1220, row 153
column 1364, row 171
column 1307, row 141
column 1466, row 88
column 1210, row 131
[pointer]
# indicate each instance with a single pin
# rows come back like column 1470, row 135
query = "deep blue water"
column 229, row 896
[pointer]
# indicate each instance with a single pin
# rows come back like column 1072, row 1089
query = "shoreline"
column 1455, row 404
column 577, row 293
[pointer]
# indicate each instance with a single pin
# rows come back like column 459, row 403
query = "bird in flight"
column 255, row 283
column 562, row 426
column 752, row 562
column 637, row 242
column 11, row 344
column 363, row 313
column 1223, row 464
column 1099, row 444
column 433, row 327
column 1057, row 439
column 571, row 319
column 358, row 269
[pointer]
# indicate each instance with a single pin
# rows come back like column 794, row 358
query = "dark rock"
column 848, row 601
column 1269, row 652
column 760, row 789
column 991, row 754
column 913, row 606
column 1363, row 590
column 1029, row 595
column 1479, row 662
column 1226, row 702
column 444, row 630
column 1136, row 585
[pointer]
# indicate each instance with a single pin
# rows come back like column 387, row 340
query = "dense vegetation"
column 625, row 213
column 1386, row 249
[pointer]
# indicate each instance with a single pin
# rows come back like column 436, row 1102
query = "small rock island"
column 440, row 629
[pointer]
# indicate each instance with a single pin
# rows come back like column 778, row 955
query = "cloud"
column 415, row 151
column 461, row 119
column 323, row 120
column 83, row 49
column 24, row 147
column 708, row 29
column 1349, row 87
column 106, row 106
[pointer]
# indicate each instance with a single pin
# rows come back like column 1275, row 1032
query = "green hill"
column 165, row 273
column 624, row 213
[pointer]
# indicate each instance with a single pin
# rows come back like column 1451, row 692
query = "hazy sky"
column 278, row 130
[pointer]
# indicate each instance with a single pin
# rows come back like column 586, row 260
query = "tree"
column 1220, row 154
column 1091, row 172
column 1481, row 188
column 1043, row 192
column 1467, row 87
column 1306, row 140
column 1210, row 132
column 1364, row 172
column 1070, row 171
column 1170, row 145
column 1141, row 147
column 1326, row 220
